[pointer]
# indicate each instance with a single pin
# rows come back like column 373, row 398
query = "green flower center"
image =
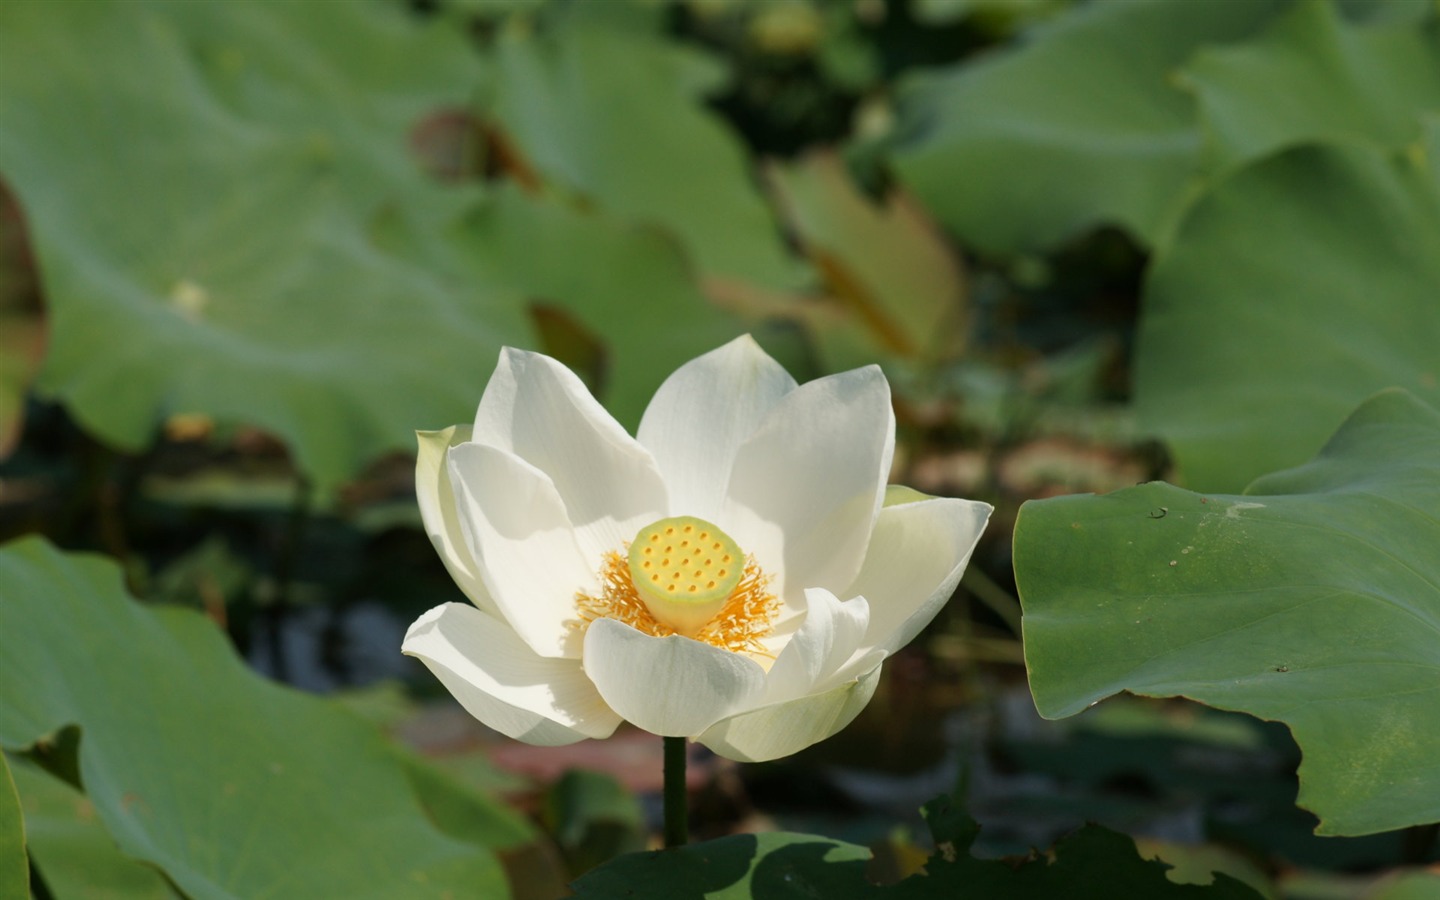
column 685, row 569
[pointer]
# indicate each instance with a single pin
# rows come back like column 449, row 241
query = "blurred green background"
column 248, row 248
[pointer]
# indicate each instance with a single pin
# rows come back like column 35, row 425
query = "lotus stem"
column 677, row 814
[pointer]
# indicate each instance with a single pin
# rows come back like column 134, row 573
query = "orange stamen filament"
column 746, row 618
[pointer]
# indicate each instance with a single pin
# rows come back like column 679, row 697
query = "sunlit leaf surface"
column 1311, row 599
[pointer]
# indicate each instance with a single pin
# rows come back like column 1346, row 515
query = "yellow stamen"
column 745, row 619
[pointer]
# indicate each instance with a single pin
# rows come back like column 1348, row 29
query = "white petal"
column 437, row 509
column 540, row 411
column 671, row 686
column 531, row 564
column 781, row 729
column 702, row 414
column 806, row 486
column 916, row 556
column 825, row 641
column 503, row 683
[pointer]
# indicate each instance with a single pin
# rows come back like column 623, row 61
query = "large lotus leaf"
column 1292, row 291
column 233, row 786
column 1313, row 76
column 614, row 115
column 76, row 857
column 14, row 869
column 1312, row 599
column 201, row 179
column 1081, row 125
column 1091, row 864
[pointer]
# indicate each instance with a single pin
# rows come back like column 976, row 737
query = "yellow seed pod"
column 685, row 569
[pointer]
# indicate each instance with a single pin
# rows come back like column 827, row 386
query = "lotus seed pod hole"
column 684, row 569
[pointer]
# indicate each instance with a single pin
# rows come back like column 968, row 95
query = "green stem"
column 677, row 816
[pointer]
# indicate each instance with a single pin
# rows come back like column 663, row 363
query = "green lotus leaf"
column 1294, row 289
column 1322, row 78
column 1312, row 599
column 74, row 854
column 1090, row 864
column 1079, row 126
column 613, row 114
column 232, row 786
column 202, row 181
column 14, row 868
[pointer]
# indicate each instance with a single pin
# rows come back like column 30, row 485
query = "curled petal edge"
column 536, row 699
column 671, row 686
column 780, row 729
column 917, row 553
column 531, row 564
column 436, row 497
column 828, row 638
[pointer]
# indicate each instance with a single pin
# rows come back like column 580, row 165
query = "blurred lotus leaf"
column 232, row 786
column 1324, row 78
column 1080, row 125
column 612, row 115
column 200, row 179
column 1294, row 289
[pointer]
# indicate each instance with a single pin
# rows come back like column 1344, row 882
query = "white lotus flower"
column 569, row 537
